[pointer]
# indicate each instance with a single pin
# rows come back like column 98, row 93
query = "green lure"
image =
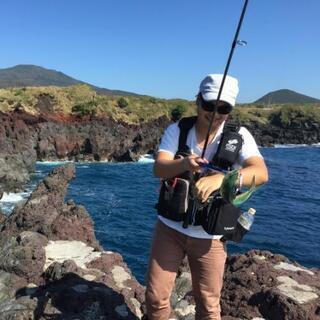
column 229, row 187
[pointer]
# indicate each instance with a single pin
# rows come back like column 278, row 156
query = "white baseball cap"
column 210, row 85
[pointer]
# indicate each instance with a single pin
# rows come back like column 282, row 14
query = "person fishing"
column 173, row 237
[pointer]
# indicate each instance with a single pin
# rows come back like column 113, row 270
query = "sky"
column 165, row 48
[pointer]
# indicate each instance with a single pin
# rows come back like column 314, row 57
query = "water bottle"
column 246, row 219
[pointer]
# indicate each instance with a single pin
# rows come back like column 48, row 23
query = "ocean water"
column 121, row 197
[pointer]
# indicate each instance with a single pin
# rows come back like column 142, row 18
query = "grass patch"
column 83, row 100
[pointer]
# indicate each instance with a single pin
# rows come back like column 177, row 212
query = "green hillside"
column 81, row 100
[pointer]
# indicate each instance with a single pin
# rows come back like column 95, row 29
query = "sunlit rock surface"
column 52, row 267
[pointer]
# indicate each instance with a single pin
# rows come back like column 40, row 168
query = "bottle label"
column 244, row 222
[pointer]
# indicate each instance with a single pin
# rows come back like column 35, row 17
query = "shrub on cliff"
column 177, row 112
column 85, row 108
column 122, row 103
column 246, row 115
column 289, row 114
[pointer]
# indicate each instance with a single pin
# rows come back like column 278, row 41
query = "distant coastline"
column 76, row 123
column 26, row 138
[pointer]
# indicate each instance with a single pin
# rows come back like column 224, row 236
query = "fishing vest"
column 175, row 199
column 229, row 146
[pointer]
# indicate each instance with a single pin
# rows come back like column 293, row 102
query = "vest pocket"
column 221, row 218
column 173, row 198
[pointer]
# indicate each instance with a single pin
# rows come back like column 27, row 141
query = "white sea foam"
column 10, row 200
column 288, row 146
column 53, row 163
column 147, row 158
column 12, row 197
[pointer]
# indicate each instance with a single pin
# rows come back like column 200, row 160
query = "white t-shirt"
column 170, row 142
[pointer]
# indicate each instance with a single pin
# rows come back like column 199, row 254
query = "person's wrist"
column 217, row 178
column 221, row 177
column 185, row 164
column 240, row 181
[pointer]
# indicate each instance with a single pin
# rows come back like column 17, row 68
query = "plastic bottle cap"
column 252, row 211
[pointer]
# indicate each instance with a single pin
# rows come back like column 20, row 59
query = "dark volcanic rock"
column 17, row 153
column 98, row 139
column 45, row 212
column 3, row 217
column 52, row 267
column 24, row 255
column 25, row 138
column 259, row 285
column 293, row 133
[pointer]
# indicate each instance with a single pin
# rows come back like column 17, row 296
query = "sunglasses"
column 210, row 106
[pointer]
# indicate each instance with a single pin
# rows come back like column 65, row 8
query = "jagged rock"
column 17, row 153
column 52, row 266
column 9, row 285
column 24, row 256
column 25, row 138
column 45, row 212
column 14, row 173
column 57, row 271
column 259, row 285
column 276, row 133
column 3, row 218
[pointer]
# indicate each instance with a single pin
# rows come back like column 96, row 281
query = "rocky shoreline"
column 25, row 138
column 53, row 267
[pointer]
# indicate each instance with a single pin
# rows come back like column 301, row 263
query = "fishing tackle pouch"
column 174, row 198
column 221, row 218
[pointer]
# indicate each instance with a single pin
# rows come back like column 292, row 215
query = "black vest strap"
column 185, row 124
column 233, row 127
column 229, row 146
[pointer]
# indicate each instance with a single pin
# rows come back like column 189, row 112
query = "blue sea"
column 120, row 198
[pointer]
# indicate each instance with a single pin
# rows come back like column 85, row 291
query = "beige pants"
column 206, row 260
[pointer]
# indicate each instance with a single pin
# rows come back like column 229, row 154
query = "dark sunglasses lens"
column 224, row 109
column 207, row 106
column 211, row 107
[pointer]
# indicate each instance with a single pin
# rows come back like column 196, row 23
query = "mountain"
column 24, row 75
column 285, row 96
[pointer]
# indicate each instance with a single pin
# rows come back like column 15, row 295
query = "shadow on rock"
column 72, row 297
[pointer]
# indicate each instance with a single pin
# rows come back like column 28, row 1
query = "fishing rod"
column 234, row 43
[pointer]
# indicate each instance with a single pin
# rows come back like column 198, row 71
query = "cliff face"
column 25, row 138
column 17, row 151
column 52, row 267
column 294, row 133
